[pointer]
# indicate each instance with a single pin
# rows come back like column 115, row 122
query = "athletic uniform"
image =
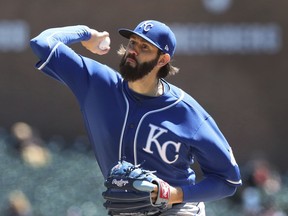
column 168, row 132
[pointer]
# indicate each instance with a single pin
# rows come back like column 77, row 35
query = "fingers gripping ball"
column 104, row 44
column 129, row 190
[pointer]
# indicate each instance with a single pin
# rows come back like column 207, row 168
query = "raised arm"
column 48, row 40
column 59, row 61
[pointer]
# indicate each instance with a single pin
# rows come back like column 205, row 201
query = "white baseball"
column 104, row 44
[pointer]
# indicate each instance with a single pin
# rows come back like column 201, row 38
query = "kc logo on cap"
column 155, row 32
column 146, row 26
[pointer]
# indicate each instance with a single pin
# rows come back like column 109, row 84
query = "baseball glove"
column 129, row 190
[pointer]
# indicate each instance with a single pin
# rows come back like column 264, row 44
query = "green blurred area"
column 59, row 179
column 69, row 182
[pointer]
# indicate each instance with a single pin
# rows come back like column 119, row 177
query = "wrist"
column 176, row 195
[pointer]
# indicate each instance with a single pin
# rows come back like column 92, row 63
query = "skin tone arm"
column 176, row 195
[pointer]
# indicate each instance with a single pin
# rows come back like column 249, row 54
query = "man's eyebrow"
column 139, row 38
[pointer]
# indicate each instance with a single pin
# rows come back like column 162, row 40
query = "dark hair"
column 164, row 71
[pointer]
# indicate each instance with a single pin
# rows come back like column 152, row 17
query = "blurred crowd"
column 54, row 178
column 47, row 177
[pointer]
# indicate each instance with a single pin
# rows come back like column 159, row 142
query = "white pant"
column 186, row 209
column 182, row 209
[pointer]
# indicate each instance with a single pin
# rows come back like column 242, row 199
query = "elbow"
column 35, row 45
column 225, row 189
column 39, row 47
column 231, row 190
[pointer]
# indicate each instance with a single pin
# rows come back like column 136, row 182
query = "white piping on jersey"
column 48, row 39
column 234, row 182
column 125, row 122
column 50, row 56
column 145, row 115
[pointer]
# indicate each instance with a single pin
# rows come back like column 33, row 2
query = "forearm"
column 44, row 43
column 176, row 195
column 209, row 189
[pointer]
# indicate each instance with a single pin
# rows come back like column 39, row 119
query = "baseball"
column 105, row 43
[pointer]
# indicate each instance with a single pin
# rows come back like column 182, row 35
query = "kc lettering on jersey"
column 154, row 134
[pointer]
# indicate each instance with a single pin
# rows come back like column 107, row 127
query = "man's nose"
column 133, row 50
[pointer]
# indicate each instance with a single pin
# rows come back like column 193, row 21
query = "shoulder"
column 188, row 113
column 188, row 103
column 100, row 70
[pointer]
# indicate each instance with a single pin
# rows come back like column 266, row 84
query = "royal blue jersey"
column 168, row 132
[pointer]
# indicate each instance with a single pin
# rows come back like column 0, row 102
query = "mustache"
column 132, row 56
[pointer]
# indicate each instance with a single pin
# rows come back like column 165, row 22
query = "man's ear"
column 164, row 59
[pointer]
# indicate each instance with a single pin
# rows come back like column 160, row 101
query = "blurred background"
column 232, row 57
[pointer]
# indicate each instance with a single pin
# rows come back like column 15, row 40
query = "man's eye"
column 144, row 47
column 131, row 42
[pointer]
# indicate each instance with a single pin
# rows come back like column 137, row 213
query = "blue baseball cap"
column 156, row 33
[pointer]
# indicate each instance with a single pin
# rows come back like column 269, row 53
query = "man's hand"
column 93, row 43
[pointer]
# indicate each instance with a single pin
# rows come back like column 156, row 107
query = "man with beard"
column 137, row 115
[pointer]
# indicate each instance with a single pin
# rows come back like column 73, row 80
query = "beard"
column 130, row 73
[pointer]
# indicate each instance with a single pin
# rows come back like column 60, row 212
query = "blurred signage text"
column 14, row 35
column 203, row 39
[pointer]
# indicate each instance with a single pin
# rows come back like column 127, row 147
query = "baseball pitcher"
column 146, row 132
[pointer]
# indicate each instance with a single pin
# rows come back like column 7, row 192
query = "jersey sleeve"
column 215, row 157
column 61, row 62
column 214, row 154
